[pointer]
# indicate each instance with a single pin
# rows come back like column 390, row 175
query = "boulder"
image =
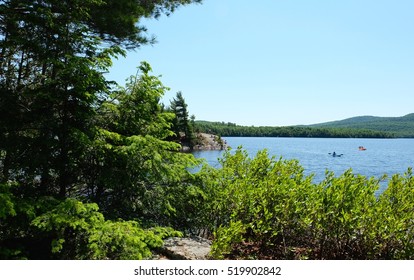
column 194, row 248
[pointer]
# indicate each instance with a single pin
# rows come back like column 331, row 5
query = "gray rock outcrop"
column 194, row 248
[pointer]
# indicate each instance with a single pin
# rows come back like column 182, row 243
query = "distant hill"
column 399, row 126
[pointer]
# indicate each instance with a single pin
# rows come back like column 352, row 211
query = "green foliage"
column 183, row 127
column 70, row 141
column 87, row 171
column 81, row 232
column 18, row 240
column 395, row 233
column 132, row 171
column 345, row 217
column 266, row 208
column 51, row 79
column 6, row 202
column 225, row 238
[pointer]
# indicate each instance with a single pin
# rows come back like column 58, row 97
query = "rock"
column 206, row 142
column 195, row 248
column 210, row 142
column 185, row 149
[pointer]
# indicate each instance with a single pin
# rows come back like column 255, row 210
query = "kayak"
column 335, row 154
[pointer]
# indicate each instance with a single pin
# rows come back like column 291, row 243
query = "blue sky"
column 284, row 62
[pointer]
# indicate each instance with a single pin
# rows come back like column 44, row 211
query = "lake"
column 382, row 156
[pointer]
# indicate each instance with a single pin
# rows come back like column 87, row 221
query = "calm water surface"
column 382, row 156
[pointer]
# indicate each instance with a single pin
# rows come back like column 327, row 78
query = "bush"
column 69, row 229
column 89, row 236
column 266, row 208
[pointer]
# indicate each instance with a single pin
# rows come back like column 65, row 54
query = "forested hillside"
column 399, row 126
column 231, row 129
column 359, row 127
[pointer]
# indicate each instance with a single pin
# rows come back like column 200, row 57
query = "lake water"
column 382, row 156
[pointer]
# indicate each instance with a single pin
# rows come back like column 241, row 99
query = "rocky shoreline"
column 207, row 142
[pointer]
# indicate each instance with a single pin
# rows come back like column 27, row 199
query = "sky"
column 283, row 62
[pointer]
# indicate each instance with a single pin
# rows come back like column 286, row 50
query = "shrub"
column 266, row 208
column 89, row 236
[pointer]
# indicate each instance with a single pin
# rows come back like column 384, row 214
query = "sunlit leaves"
column 284, row 215
column 139, row 173
column 6, row 202
column 95, row 237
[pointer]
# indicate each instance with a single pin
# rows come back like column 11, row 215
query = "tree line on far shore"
column 233, row 130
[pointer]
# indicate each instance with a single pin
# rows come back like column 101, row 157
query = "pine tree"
column 56, row 124
column 182, row 126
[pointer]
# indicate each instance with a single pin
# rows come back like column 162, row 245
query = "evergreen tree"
column 132, row 164
column 182, row 127
column 57, row 126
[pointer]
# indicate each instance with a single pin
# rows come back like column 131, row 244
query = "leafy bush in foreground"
column 266, row 208
column 71, row 229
